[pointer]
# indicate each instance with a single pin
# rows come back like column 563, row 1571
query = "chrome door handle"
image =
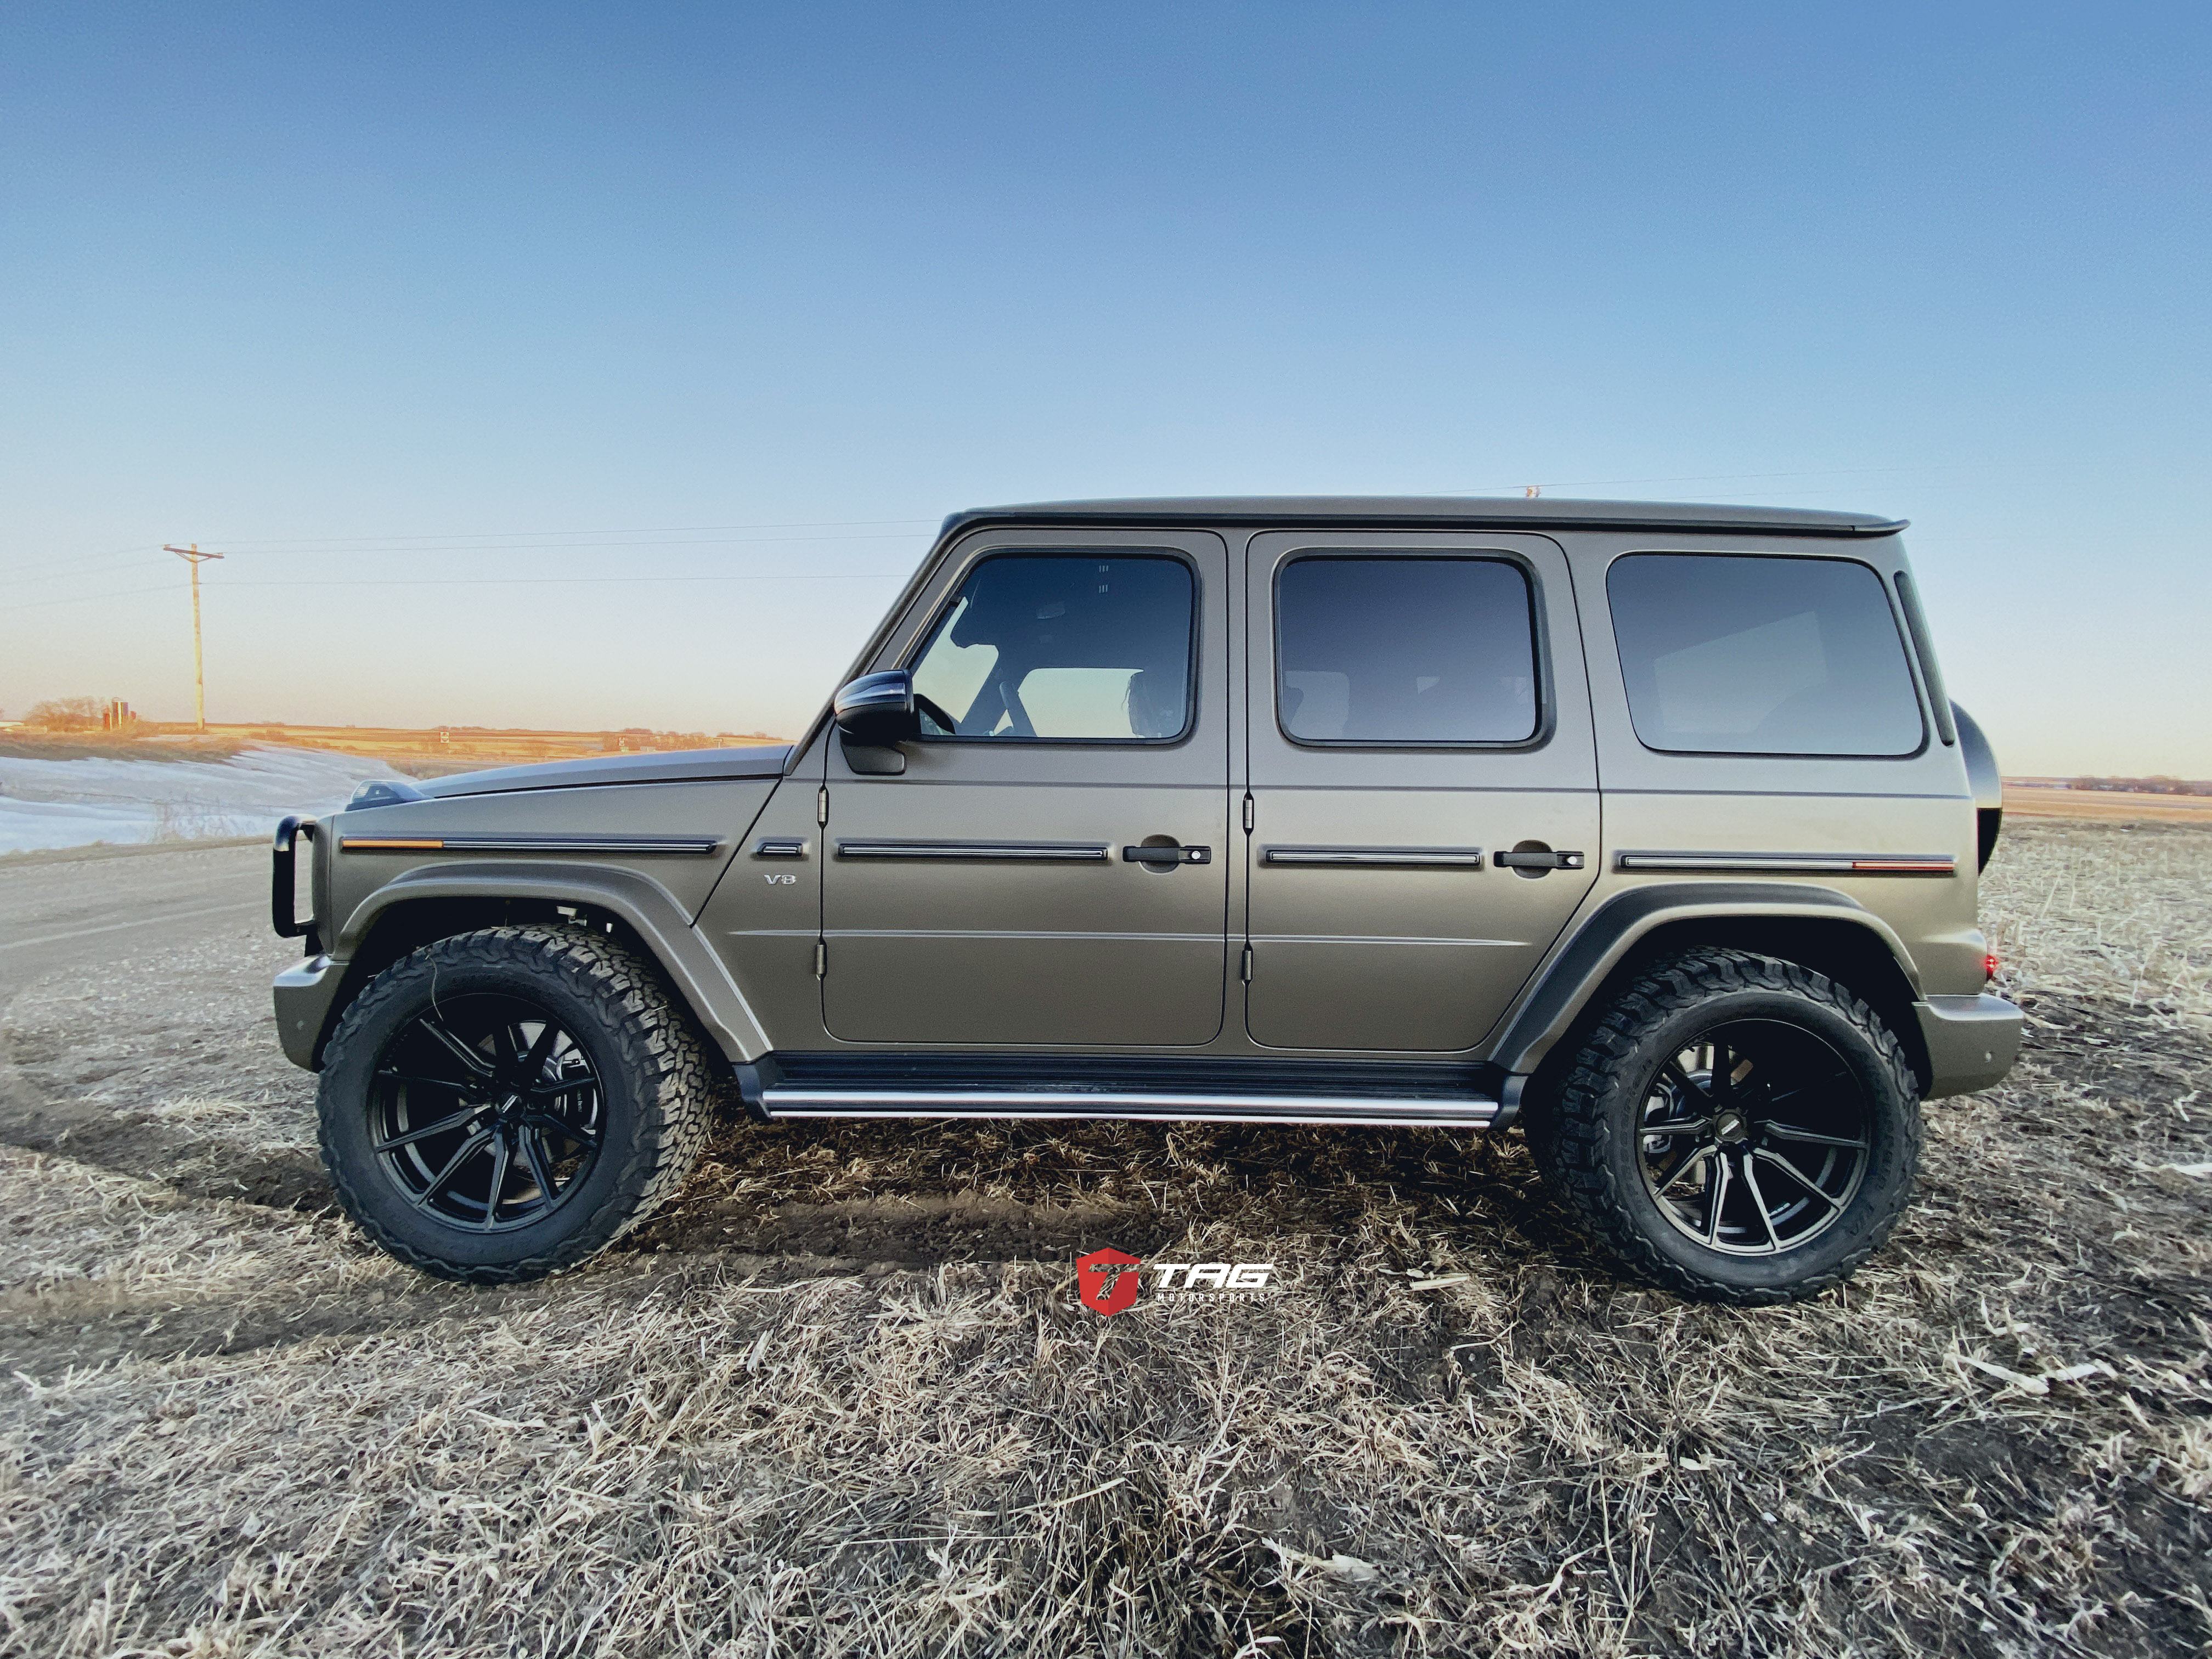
column 1164, row 858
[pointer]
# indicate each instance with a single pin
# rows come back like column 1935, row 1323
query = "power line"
column 395, row 551
column 533, row 581
column 90, row 570
column 657, row 530
column 490, row 581
column 493, row 540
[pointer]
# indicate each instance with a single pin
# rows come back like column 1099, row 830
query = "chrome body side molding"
column 461, row 840
column 1794, row 864
column 980, row 851
column 1394, row 858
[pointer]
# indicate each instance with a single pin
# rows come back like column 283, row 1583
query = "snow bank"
column 75, row 803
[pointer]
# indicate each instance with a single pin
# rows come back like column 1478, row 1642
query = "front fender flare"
column 642, row 904
column 1564, row 986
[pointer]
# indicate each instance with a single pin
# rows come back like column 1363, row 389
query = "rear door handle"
column 1166, row 857
column 1537, row 860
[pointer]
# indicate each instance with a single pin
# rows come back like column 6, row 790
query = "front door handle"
column 1162, row 858
column 1538, row 860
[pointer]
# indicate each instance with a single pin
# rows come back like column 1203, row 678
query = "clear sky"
column 610, row 365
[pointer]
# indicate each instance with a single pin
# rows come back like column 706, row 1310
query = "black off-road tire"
column 1584, row 1133
column 661, row 1091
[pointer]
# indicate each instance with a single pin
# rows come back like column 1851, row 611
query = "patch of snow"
column 75, row 803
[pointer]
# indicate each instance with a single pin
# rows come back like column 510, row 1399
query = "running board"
column 788, row 1100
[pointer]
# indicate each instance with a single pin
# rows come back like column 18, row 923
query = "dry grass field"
column 2116, row 808
column 840, row 1400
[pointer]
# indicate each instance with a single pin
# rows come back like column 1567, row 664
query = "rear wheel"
column 1736, row 1128
column 499, row 1105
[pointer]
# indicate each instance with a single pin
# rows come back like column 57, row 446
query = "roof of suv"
column 1442, row 512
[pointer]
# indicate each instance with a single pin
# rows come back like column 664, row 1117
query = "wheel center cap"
column 1730, row 1126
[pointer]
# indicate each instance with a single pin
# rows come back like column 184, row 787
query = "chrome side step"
column 780, row 1100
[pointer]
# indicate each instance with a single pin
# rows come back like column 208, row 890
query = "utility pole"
column 193, row 556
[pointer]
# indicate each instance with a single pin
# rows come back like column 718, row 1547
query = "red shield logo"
column 1106, row 1280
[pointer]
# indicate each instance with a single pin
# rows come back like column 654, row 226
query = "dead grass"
column 2117, row 806
column 79, row 1237
column 841, row 1400
column 2089, row 909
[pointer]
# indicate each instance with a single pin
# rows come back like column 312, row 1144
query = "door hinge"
column 1249, row 815
column 821, row 958
column 1245, row 972
column 821, row 804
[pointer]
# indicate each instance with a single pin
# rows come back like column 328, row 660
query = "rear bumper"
column 304, row 995
column 1971, row 1041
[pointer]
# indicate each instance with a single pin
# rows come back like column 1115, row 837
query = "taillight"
column 1988, row 967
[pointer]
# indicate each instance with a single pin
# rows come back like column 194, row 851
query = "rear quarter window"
column 1762, row 654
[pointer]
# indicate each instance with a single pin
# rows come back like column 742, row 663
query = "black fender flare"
column 1564, row 986
column 643, row 905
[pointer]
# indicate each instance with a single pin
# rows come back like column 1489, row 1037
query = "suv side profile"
column 1649, row 828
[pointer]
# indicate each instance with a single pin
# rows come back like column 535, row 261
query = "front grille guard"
column 283, row 887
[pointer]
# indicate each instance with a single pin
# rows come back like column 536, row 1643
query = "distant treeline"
column 2160, row 786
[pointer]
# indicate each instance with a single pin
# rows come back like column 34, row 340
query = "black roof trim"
column 1433, row 512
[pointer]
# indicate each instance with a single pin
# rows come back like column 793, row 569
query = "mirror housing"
column 876, row 711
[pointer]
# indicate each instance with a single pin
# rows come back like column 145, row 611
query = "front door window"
column 1057, row 648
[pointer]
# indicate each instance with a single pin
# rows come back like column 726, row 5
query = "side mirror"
column 876, row 711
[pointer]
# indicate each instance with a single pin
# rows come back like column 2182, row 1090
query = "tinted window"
column 1372, row 650
column 1064, row 646
column 1726, row 654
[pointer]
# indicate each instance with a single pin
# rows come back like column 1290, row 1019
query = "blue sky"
column 609, row 366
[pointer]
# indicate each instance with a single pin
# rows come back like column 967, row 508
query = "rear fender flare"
column 1565, row 987
column 642, row 904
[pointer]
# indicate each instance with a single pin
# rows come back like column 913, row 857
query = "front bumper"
column 1971, row 1041
column 304, row 993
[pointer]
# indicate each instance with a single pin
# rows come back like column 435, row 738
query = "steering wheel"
column 935, row 711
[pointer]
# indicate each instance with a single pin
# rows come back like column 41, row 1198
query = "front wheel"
column 1735, row 1129
column 499, row 1105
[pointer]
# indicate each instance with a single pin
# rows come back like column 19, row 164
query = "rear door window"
column 1412, row 651
column 1761, row 654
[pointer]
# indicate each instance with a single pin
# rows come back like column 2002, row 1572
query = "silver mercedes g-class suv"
column 1648, row 828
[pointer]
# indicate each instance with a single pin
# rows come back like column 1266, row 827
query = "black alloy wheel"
column 1754, row 1137
column 499, row 1105
column 1732, row 1127
column 485, row 1112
